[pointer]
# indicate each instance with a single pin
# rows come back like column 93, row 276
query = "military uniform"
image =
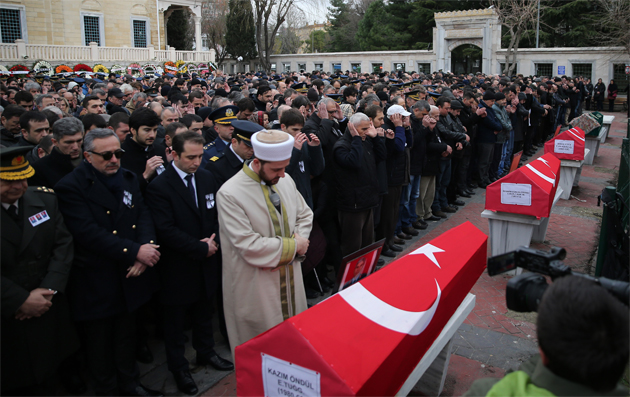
column 224, row 116
column 37, row 252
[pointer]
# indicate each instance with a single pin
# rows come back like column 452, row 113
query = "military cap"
column 300, row 87
column 413, row 94
column 152, row 92
column 204, row 112
column 13, row 163
column 79, row 80
column 244, row 129
column 335, row 97
column 224, row 115
column 434, row 94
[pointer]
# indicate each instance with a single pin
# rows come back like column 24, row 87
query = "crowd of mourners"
column 376, row 156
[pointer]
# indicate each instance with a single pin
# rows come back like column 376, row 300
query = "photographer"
column 583, row 341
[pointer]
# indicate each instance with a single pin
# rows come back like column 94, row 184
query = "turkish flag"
column 367, row 339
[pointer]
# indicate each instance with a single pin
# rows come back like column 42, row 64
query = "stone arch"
column 91, row 5
column 454, row 44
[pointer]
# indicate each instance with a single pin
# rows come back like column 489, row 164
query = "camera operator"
column 583, row 340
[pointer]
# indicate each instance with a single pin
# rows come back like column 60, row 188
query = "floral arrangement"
column 169, row 67
column 81, row 67
column 181, row 66
column 212, row 66
column 19, row 68
column 98, row 68
column 192, row 68
column 134, row 69
column 3, row 68
column 43, row 67
column 116, row 68
column 149, row 68
column 202, row 68
column 63, row 69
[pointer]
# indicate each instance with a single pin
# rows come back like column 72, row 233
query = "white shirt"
column 237, row 156
column 183, row 175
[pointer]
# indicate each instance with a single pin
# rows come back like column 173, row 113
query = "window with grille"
column 544, row 69
column 92, row 29
column 336, row 67
column 319, row 66
column 424, row 67
column 399, row 66
column 139, row 33
column 10, row 25
column 301, row 67
column 286, row 67
column 377, row 67
column 356, row 67
column 619, row 75
column 582, row 69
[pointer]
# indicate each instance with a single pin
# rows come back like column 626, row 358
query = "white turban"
column 272, row 145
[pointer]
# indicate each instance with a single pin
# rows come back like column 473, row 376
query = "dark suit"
column 108, row 231
column 189, row 278
column 35, row 257
column 136, row 156
column 50, row 169
column 224, row 167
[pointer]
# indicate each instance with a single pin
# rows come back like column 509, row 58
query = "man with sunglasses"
column 115, row 252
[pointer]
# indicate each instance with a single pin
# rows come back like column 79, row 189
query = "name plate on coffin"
column 282, row 378
column 564, row 146
column 516, row 194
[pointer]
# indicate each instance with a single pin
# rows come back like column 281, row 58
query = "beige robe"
column 262, row 278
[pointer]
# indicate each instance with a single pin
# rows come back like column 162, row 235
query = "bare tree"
column 288, row 40
column 614, row 19
column 213, row 25
column 517, row 16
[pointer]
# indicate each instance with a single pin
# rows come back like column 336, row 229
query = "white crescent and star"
column 388, row 316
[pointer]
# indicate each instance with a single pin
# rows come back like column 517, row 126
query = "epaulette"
column 44, row 189
column 214, row 158
column 208, row 146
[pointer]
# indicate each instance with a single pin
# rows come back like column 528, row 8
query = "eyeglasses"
column 108, row 155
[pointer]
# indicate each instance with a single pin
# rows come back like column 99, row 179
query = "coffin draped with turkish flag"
column 529, row 190
column 367, row 339
column 568, row 145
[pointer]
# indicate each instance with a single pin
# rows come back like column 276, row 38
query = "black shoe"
column 185, row 382
column 389, row 253
column 483, row 185
column 403, row 236
column 471, row 192
column 217, row 362
column 141, row 391
column 311, row 293
column 396, row 248
column 420, row 224
column 398, row 240
column 440, row 214
column 449, row 209
column 380, row 262
column 458, row 202
column 143, row 353
column 463, row 193
column 433, row 218
column 72, row 381
column 473, row 185
column 410, row 231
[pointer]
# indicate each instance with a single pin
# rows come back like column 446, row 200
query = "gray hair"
column 97, row 133
column 358, row 118
column 326, row 101
column 55, row 110
column 40, row 98
column 99, row 91
column 372, row 98
column 169, row 109
column 422, row 105
column 235, row 96
column 66, row 126
column 219, row 102
column 126, row 88
column 139, row 96
column 32, row 85
column 101, row 86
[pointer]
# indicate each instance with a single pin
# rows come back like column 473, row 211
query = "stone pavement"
column 493, row 339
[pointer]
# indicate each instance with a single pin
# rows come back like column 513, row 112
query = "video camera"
column 523, row 292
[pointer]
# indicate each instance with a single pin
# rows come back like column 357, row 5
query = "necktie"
column 189, row 179
column 13, row 213
column 275, row 198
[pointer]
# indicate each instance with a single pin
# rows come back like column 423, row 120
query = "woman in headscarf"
column 612, row 95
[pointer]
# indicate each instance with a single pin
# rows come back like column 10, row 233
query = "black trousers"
column 390, row 208
column 110, row 347
column 357, row 230
column 174, row 340
column 486, row 152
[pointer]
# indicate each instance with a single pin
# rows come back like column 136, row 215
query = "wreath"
column 43, row 67
column 149, row 68
column 63, row 69
column 116, row 68
column 98, row 68
column 3, row 69
column 170, row 67
column 181, row 66
column 134, row 69
column 191, row 67
column 212, row 66
column 81, row 67
column 19, row 68
column 202, row 68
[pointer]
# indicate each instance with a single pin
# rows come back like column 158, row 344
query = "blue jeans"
column 410, row 193
column 506, row 155
column 442, row 179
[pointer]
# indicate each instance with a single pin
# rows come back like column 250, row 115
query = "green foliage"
column 343, row 27
column 316, row 41
column 179, row 30
column 240, row 39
